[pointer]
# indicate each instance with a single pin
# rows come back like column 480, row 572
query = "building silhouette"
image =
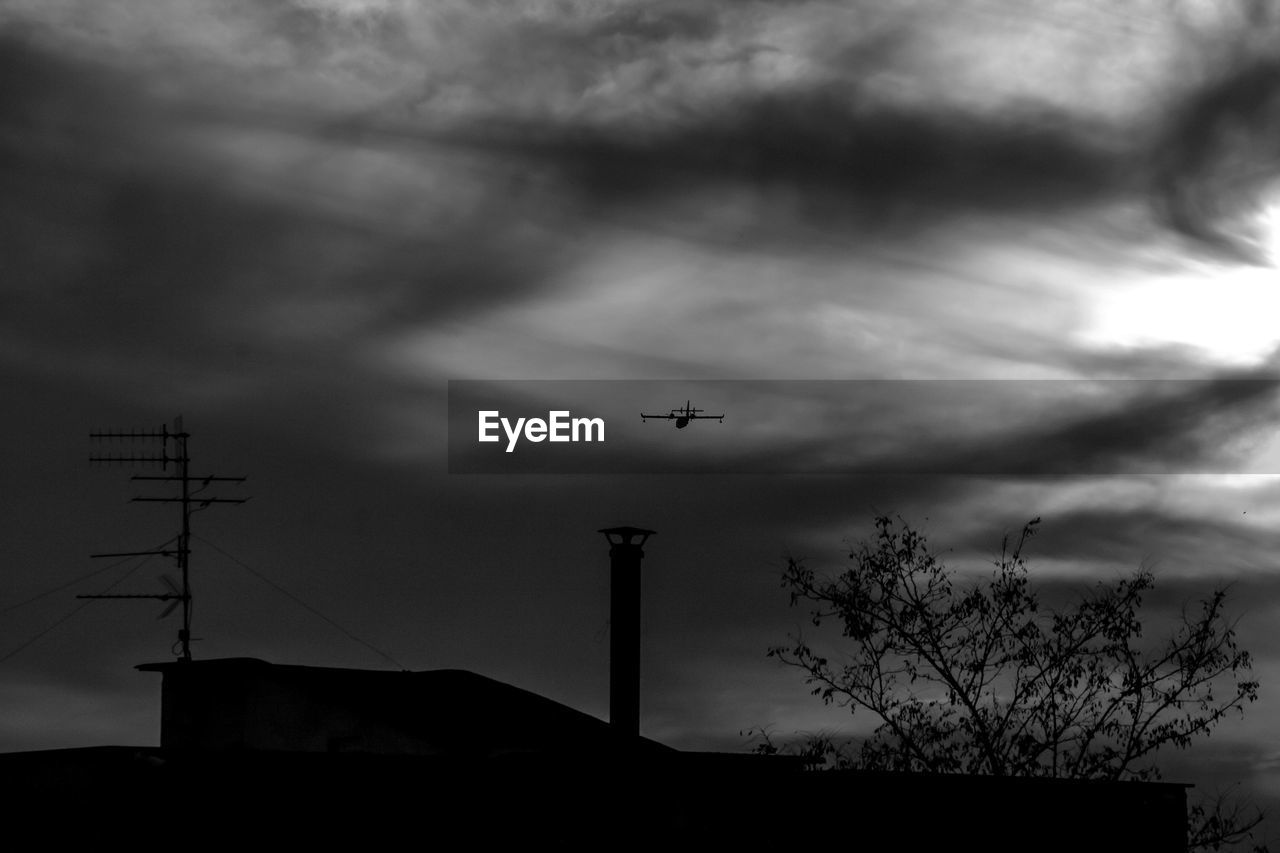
column 253, row 753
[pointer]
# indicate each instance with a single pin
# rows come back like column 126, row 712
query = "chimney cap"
column 626, row 534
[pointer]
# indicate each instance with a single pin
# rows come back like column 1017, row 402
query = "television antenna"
column 172, row 449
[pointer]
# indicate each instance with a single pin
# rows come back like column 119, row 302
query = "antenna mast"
column 172, row 449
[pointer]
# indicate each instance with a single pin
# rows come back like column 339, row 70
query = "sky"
column 293, row 223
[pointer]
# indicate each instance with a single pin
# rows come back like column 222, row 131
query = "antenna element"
column 173, row 449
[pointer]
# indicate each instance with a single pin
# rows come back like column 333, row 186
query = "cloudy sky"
column 294, row 222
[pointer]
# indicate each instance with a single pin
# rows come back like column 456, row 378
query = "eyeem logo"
column 557, row 427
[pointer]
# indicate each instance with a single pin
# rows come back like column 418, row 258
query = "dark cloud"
column 1164, row 427
column 1127, row 537
column 1155, row 361
column 657, row 23
column 833, row 155
column 835, row 151
column 837, row 157
column 829, row 148
column 123, row 236
column 1219, row 154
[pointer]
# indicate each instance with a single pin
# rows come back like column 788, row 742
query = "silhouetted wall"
column 600, row 800
column 244, row 703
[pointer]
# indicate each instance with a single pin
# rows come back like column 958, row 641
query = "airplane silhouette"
column 683, row 416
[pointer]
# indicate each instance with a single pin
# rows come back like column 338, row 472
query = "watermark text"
column 558, row 426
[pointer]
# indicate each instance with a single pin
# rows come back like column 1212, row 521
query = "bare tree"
column 984, row 679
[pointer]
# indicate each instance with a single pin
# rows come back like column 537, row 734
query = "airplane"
column 683, row 416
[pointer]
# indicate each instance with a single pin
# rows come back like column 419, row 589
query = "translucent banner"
column 968, row 427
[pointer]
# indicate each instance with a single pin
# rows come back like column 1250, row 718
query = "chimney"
column 625, row 555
